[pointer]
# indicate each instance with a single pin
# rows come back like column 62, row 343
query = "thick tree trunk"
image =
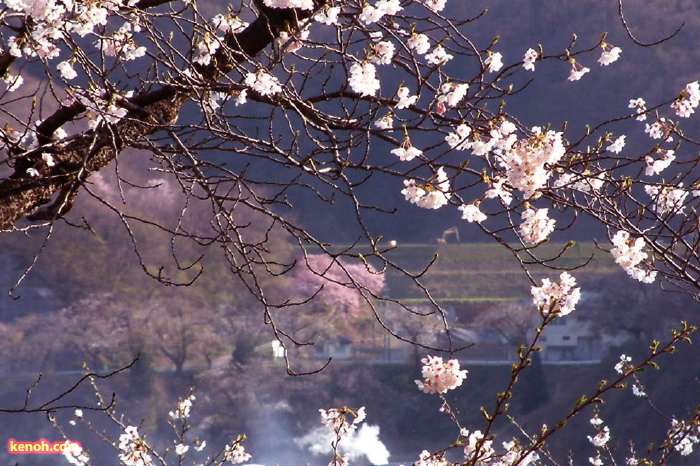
column 21, row 195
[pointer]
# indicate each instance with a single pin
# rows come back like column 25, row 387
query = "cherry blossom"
column 500, row 190
column 439, row 376
column 629, row 255
column 435, row 5
column 134, row 451
column 292, row 43
column 471, row 213
column 363, row 78
column 432, row 195
column 656, row 166
column 66, row 70
column 438, row 56
column 577, row 71
column 389, row 7
column 405, row 98
column 121, row 44
column 477, row 447
column 610, row 54
column 301, row 4
column 328, row 15
column 459, row 139
column 660, row 129
column 684, row 436
column 371, row 14
column 426, row 459
column 383, row 53
column 667, row 199
column 529, row 60
column 419, row 42
column 536, row 226
column 617, row 145
column 451, row 94
column 640, row 105
column 385, row 122
column 337, row 420
column 235, row 453
column 556, row 298
column 183, row 408
column 529, row 162
column 406, row 152
column 263, row 83
column 228, row 23
column 688, row 101
column 601, row 438
column 75, row 455
column 494, row 62
column 13, row 82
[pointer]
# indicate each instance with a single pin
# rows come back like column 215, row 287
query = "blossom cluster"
column 688, row 101
column 235, row 452
column 75, row 455
column 363, row 78
column 439, row 376
column 528, row 164
column 476, row 446
column 337, row 420
column 301, row 4
column 183, row 408
column 121, row 44
column 585, row 182
column 599, row 440
column 602, row 437
column 428, row 459
column 263, row 83
column 373, row 13
column 536, row 226
column 624, row 364
column 103, row 108
column 472, row 213
column 640, row 107
column 52, row 19
column 432, row 195
column 557, row 298
column 529, row 60
column 629, row 255
column 684, row 436
column 656, row 166
column 134, row 451
column 406, row 151
column 451, row 94
column 500, row 140
column 515, row 456
column 667, row 199
column 479, row 450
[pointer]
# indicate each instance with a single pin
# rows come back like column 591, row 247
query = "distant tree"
column 514, row 322
column 620, row 306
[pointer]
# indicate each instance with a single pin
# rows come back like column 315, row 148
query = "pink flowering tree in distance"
column 258, row 107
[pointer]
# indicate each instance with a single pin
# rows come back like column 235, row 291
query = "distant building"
column 569, row 338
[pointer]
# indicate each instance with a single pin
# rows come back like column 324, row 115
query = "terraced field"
column 480, row 274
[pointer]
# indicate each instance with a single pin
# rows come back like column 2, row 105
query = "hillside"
column 472, row 275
